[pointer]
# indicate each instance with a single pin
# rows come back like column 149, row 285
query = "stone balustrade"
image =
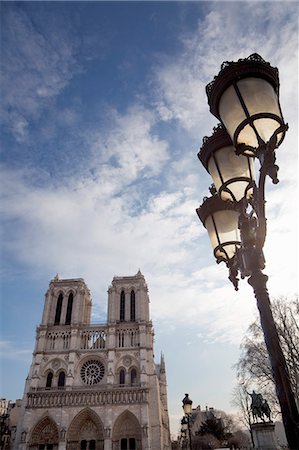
column 59, row 398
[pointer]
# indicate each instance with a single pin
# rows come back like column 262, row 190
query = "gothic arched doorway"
column 85, row 432
column 44, row 435
column 126, row 433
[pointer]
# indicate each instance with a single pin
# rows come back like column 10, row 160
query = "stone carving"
column 127, row 361
column 92, row 398
column 88, row 430
column 23, row 436
column 62, row 433
column 55, row 363
column 107, row 432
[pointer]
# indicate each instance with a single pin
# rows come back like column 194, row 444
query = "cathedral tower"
column 95, row 387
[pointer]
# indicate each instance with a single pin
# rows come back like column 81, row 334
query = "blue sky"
column 103, row 111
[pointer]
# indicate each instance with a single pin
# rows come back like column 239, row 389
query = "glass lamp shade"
column 233, row 175
column 221, row 219
column 245, row 97
column 187, row 404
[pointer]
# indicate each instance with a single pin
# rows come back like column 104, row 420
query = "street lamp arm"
column 267, row 158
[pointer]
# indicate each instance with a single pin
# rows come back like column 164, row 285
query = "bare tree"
column 254, row 365
column 241, row 400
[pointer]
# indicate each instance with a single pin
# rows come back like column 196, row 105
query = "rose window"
column 92, row 371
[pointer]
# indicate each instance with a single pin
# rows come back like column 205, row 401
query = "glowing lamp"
column 221, row 218
column 245, row 97
column 187, row 404
column 233, row 175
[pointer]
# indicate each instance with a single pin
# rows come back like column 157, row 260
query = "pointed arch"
column 69, row 309
column 132, row 306
column 45, row 434
column 126, row 431
column 133, row 376
column 61, row 379
column 122, row 377
column 85, row 427
column 122, row 306
column 58, row 309
column 49, row 379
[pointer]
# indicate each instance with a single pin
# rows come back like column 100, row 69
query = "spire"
column 162, row 364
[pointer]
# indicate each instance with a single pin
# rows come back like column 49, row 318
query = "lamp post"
column 244, row 96
column 187, row 407
column 184, row 423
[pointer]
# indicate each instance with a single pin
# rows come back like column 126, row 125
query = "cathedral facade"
column 95, row 387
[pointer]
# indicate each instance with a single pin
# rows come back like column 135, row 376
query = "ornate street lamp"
column 244, row 96
column 187, row 407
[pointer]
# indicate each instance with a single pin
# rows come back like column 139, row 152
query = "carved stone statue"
column 259, row 407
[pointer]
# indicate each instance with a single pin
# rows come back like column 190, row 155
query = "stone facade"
column 95, row 387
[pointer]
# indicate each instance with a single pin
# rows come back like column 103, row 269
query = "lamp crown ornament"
column 253, row 65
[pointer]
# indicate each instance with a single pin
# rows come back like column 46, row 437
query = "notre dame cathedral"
column 95, row 387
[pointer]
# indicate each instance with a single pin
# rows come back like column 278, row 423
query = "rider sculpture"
column 259, row 407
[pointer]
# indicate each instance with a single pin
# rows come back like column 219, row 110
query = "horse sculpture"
column 259, row 407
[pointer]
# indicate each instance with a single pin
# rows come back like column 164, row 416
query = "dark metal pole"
column 189, row 430
column 288, row 406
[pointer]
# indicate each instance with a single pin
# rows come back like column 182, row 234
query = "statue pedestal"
column 263, row 436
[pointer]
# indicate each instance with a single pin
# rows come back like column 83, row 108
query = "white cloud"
column 109, row 215
column 36, row 67
column 130, row 147
column 225, row 33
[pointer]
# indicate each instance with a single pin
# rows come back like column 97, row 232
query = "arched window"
column 122, row 376
column 133, row 377
column 122, row 307
column 61, row 379
column 83, row 445
column 58, row 310
column 132, row 306
column 92, row 444
column 121, row 339
column 49, row 380
column 69, row 309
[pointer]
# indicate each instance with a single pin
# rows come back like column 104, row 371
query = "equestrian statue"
column 259, row 407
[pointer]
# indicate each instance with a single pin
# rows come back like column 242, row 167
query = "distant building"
column 3, row 406
column 14, row 411
column 95, row 387
column 199, row 416
column 196, row 419
column 5, row 433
